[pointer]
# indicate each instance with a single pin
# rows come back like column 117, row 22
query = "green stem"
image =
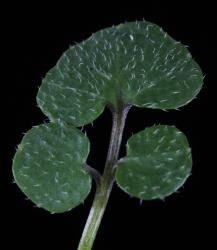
column 103, row 189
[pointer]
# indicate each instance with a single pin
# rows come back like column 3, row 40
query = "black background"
column 36, row 37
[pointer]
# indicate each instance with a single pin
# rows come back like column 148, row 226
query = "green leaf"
column 158, row 162
column 49, row 167
column 133, row 63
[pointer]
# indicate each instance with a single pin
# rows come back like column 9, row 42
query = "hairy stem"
column 104, row 188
